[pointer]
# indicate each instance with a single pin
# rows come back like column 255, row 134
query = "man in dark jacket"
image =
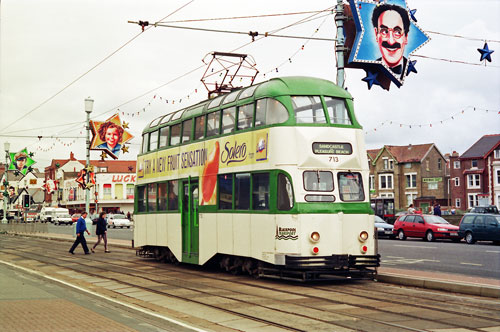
column 437, row 210
column 81, row 227
column 101, row 232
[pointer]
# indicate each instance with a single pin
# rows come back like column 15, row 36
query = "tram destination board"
column 332, row 148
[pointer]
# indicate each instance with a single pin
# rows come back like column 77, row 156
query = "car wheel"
column 401, row 235
column 429, row 236
column 469, row 238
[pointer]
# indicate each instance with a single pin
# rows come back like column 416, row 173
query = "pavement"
column 416, row 278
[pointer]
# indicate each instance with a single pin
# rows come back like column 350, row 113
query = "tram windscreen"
column 351, row 187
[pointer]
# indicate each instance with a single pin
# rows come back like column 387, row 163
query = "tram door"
column 190, row 228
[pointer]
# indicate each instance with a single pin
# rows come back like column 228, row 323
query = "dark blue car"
column 480, row 227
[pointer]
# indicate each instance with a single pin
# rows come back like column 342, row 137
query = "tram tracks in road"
column 308, row 307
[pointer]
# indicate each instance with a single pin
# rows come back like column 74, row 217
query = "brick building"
column 475, row 175
column 409, row 174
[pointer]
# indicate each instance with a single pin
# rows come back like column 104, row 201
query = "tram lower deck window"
column 141, row 199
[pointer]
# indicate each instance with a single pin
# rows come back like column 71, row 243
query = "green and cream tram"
column 270, row 179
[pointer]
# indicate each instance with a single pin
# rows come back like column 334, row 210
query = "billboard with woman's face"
column 21, row 161
column 109, row 136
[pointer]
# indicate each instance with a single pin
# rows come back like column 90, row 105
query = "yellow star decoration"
column 125, row 149
column 99, row 144
column 89, row 185
column 104, row 155
column 90, row 168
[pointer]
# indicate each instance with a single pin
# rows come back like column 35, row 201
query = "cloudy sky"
column 55, row 53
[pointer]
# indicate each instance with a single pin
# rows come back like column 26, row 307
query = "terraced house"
column 409, row 174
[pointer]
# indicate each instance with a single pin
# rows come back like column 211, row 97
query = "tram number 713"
column 333, row 159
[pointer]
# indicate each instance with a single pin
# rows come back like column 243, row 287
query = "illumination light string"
column 431, row 124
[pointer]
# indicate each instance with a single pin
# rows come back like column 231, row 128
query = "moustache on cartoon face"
column 386, row 44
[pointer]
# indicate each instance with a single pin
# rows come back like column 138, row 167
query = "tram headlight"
column 315, row 236
column 363, row 236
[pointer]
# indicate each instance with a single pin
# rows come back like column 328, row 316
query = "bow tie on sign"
column 398, row 69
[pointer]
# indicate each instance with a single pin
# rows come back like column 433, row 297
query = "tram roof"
column 279, row 86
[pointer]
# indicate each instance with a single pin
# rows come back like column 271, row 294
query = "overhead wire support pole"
column 339, row 46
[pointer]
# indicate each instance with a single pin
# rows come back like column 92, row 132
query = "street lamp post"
column 89, row 104
column 6, row 146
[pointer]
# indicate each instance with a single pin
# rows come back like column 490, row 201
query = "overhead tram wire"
column 88, row 71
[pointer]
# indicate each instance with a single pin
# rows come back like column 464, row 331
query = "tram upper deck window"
column 199, row 127
column 213, row 123
column 155, row 122
column 175, row 134
column 164, row 137
column 269, row 111
column 245, row 116
column 337, row 111
column 248, row 92
column 231, row 97
column 186, row 130
column 318, row 181
column 308, row 109
column 153, row 140
column 351, row 187
column 214, row 103
column 145, row 143
column 228, row 117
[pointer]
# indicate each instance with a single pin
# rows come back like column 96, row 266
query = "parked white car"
column 62, row 219
column 118, row 220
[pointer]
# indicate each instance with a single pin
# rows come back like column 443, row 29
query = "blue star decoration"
column 485, row 52
column 411, row 67
column 370, row 79
column 412, row 14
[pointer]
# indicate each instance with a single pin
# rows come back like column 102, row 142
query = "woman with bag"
column 101, row 232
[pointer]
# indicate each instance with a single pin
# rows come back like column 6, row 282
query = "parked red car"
column 428, row 227
column 75, row 217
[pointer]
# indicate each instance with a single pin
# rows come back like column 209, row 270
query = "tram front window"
column 318, row 181
column 351, row 187
column 308, row 109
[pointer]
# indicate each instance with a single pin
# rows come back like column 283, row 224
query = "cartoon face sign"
column 20, row 161
column 109, row 136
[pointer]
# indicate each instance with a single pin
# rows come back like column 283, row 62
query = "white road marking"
column 408, row 261
column 495, row 252
column 408, row 246
column 474, row 264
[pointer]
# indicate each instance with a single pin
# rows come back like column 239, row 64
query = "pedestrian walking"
column 437, row 210
column 101, row 232
column 81, row 227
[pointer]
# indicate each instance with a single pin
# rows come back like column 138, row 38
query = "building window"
column 387, row 195
column 457, row 202
column 106, row 191
column 411, row 180
column 388, row 163
column 427, row 165
column 473, row 200
column 408, row 165
column 130, row 191
column 456, row 164
column 372, row 182
column 457, row 182
column 385, row 181
column 497, row 154
column 410, row 197
column 473, row 163
column 432, row 185
column 102, row 169
column 473, row 181
column 439, row 164
column 498, row 177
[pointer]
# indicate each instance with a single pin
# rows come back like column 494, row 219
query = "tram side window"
column 175, row 134
column 151, row 197
column 245, row 116
column 337, row 111
column 269, row 111
column 228, row 117
column 163, row 137
column 351, row 187
column 199, row 127
column 186, row 130
column 308, row 109
column 141, row 198
column 225, row 191
column 162, row 196
column 173, row 195
column 318, row 181
column 145, row 143
column 242, row 191
column 213, row 123
column 260, row 191
column 153, row 140
column 285, row 193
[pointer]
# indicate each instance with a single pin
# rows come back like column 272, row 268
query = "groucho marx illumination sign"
column 110, row 136
column 386, row 36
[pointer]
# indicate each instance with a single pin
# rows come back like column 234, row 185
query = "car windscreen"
column 119, row 216
column 435, row 220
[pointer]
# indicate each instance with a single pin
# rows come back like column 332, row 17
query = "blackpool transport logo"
column 286, row 233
